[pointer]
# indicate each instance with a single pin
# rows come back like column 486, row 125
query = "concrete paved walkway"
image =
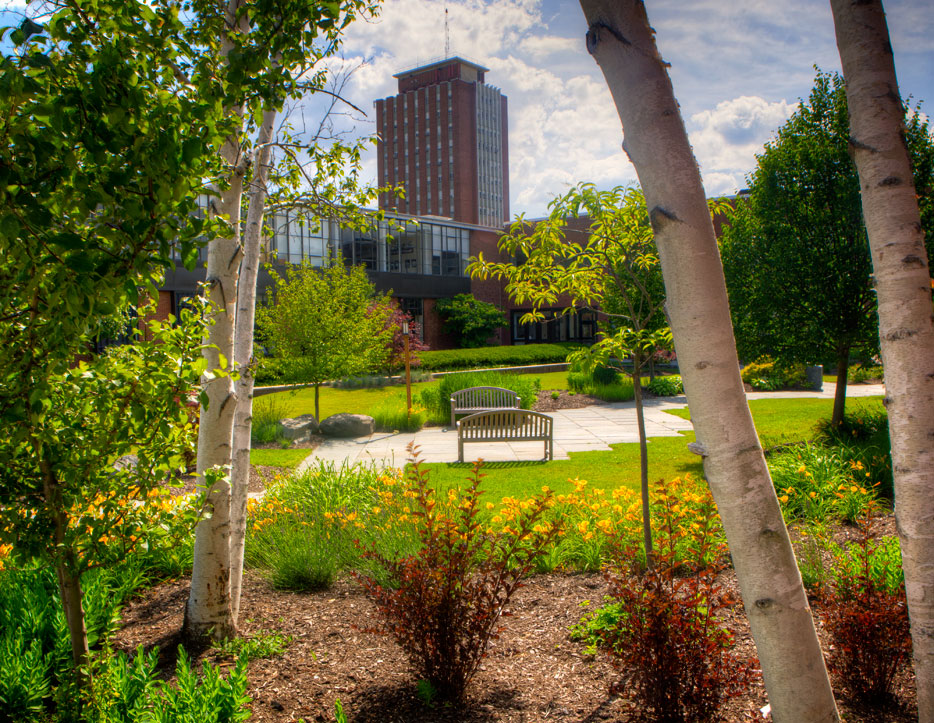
column 576, row 430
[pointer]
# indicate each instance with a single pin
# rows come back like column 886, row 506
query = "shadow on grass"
column 498, row 465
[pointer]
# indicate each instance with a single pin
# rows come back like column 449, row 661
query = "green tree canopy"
column 328, row 322
column 472, row 321
column 795, row 254
column 611, row 265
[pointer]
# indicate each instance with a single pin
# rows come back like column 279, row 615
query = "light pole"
column 408, row 374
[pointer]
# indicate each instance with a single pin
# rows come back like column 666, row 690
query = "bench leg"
column 460, row 449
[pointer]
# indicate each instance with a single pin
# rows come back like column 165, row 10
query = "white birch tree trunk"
column 621, row 41
column 208, row 611
column 243, row 355
column 903, row 286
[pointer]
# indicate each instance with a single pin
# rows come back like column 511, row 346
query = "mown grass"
column 288, row 458
column 365, row 401
column 779, row 421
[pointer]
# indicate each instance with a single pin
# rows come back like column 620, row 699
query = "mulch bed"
column 565, row 400
column 533, row 671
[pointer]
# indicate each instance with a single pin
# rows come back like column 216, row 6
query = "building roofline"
column 438, row 63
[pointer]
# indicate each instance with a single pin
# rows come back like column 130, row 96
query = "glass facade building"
column 392, row 245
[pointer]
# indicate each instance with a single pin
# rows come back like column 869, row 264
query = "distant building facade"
column 419, row 260
column 444, row 138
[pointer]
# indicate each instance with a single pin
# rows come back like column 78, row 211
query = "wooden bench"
column 506, row 425
column 482, row 399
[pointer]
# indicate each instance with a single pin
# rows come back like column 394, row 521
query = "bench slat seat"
column 482, row 399
column 506, row 425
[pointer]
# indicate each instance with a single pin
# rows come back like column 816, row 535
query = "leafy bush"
column 605, row 375
column 766, row 374
column 263, row 644
column 662, row 629
column 367, row 381
column 667, row 386
column 35, row 655
column 447, row 597
column 391, row 415
column 866, row 615
column 472, row 321
column 858, row 373
column 437, row 400
column 862, row 424
column 496, row 356
column 125, row 690
column 585, row 383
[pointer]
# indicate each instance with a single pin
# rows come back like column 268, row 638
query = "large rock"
column 348, row 425
column 298, row 428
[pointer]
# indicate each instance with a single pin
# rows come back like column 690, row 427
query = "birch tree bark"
column 209, row 607
column 903, row 286
column 621, row 41
column 243, row 355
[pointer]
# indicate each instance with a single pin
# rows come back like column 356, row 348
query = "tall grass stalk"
column 267, row 411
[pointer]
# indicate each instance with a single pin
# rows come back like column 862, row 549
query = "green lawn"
column 362, row 401
column 778, row 421
column 288, row 458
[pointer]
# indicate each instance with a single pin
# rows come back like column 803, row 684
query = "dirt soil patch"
column 565, row 400
column 533, row 671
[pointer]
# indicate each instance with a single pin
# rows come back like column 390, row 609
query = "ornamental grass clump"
column 664, row 630
column 866, row 614
column 442, row 604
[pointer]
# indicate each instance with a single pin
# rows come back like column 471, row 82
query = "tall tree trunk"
column 317, row 405
column 243, row 354
column 903, row 288
column 839, row 397
column 622, row 42
column 643, row 461
column 208, row 611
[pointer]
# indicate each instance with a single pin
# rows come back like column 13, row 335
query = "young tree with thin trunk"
column 345, row 336
column 621, row 41
column 611, row 266
column 903, row 284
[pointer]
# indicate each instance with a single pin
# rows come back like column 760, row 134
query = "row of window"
column 430, row 249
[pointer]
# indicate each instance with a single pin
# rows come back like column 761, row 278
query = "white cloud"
column 737, row 69
column 542, row 46
column 727, row 137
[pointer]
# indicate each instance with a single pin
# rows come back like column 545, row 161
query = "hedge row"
column 495, row 356
column 271, row 370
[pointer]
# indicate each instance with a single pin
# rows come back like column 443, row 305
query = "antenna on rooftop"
column 447, row 36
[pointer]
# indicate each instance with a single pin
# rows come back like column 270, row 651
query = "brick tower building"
column 444, row 138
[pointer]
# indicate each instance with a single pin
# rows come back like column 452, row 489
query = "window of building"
column 579, row 327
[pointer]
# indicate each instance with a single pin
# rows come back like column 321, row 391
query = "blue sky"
column 737, row 74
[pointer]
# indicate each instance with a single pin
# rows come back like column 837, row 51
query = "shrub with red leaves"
column 394, row 317
column 674, row 654
column 867, row 618
column 449, row 596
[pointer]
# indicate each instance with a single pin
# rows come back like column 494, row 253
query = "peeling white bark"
column 209, row 611
column 243, row 355
column 622, row 43
column 903, row 286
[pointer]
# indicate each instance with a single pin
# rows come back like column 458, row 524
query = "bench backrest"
column 505, row 424
column 474, row 397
